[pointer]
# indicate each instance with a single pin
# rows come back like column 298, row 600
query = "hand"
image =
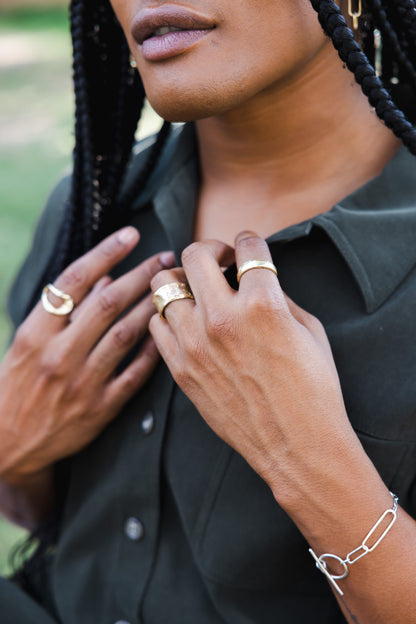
column 258, row 368
column 58, row 382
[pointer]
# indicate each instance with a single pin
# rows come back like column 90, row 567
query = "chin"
column 191, row 102
column 181, row 110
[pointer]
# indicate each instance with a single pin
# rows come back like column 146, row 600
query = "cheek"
column 123, row 11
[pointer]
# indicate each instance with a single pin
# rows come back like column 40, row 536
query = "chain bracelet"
column 356, row 554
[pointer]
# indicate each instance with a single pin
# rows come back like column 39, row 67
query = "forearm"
column 26, row 503
column 335, row 505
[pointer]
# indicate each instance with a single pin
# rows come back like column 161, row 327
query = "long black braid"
column 407, row 12
column 109, row 98
column 399, row 48
column 334, row 24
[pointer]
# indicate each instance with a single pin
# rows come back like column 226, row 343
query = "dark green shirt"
column 163, row 522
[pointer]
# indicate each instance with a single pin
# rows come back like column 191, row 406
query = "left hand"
column 258, row 368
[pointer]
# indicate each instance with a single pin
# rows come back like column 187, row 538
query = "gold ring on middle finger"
column 174, row 291
column 255, row 264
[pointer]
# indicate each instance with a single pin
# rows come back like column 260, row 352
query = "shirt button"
column 134, row 529
column 148, row 423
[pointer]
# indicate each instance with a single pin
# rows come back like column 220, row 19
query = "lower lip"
column 171, row 44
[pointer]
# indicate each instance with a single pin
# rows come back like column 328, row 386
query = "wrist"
column 324, row 496
column 370, row 542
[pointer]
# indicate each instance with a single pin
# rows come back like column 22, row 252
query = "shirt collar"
column 374, row 228
column 173, row 188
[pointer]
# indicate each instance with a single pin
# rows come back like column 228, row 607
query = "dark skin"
column 284, row 133
column 67, row 370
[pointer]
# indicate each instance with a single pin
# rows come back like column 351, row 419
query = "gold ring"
column 174, row 291
column 66, row 306
column 255, row 264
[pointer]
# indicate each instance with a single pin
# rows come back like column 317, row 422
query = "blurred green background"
column 36, row 109
column 36, row 140
column 35, row 126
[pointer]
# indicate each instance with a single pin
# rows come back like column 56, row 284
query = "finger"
column 166, row 342
column 178, row 310
column 296, row 311
column 80, row 276
column 312, row 324
column 249, row 246
column 119, row 340
column 125, row 385
column 203, row 262
column 100, row 312
column 102, row 283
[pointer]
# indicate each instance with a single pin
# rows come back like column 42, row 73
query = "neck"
column 313, row 135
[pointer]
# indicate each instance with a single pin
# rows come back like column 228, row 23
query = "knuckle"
column 25, row 338
column 180, row 374
column 263, row 306
column 124, row 334
column 249, row 242
column 108, row 303
column 151, row 267
column 74, row 275
column 191, row 253
column 130, row 381
column 220, row 326
column 155, row 324
column 53, row 363
column 312, row 322
column 110, row 247
column 259, row 302
column 158, row 280
column 194, row 352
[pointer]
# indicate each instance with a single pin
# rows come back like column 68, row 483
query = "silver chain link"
column 356, row 554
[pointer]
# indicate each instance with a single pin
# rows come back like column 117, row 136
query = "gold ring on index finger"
column 66, row 306
column 174, row 291
column 255, row 264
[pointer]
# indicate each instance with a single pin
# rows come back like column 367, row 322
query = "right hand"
column 59, row 385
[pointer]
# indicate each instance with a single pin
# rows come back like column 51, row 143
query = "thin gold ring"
column 174, row 291
column 255, row 264
column 66, row 306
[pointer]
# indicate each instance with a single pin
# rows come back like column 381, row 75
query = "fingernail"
column 167, row 259
column 128, row 235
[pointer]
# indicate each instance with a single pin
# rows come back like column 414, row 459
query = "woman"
column 197, row 501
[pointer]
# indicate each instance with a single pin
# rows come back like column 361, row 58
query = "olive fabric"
column 163, row 523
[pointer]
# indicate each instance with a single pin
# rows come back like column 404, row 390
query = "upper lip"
column 149, row 19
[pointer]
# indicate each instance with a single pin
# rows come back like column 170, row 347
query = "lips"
column 149, row 21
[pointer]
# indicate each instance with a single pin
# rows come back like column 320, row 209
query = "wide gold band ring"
column 174, row 291
column 255, row 264
column 66, row 306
